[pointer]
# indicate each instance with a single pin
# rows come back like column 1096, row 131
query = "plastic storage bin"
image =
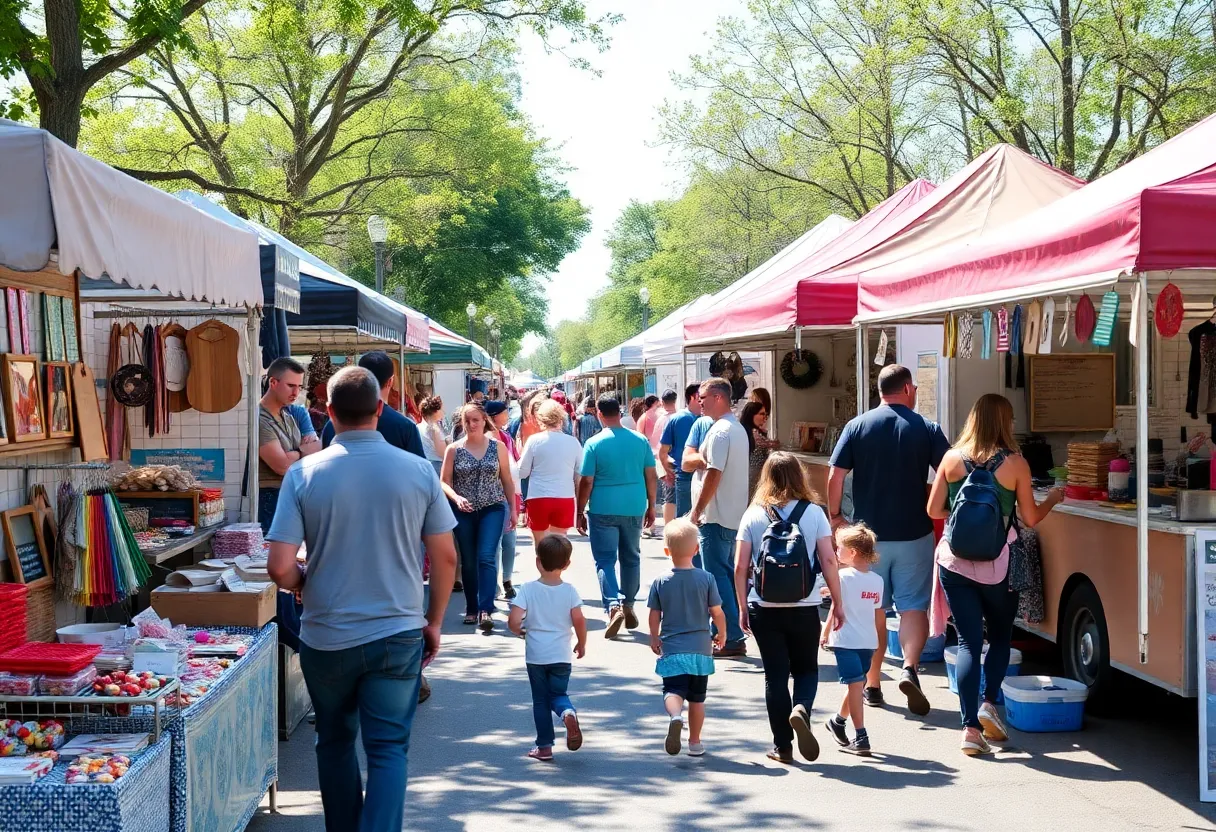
column 67, row 685
column 934, row 648
column 17, row 684
column 1038, row 704
column 1015, row 668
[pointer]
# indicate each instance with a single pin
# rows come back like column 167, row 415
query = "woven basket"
column 40, row 613
column 137, row 518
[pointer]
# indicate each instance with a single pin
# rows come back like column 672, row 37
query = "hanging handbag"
column 131, row 384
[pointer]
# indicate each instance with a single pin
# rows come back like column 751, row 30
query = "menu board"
column 1072, row 392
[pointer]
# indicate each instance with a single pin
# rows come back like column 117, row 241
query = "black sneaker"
column 909, row 686
column 873, row 697
column 837, row 730
column 508, row 590
column 859, row 746
column 458, row 587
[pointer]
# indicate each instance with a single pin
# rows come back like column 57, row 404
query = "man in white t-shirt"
column 719, row 500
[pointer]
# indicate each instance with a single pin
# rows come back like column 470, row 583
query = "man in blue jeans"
column 719, row 500
column 671, row 447
column 365, row 509
column 617, row 487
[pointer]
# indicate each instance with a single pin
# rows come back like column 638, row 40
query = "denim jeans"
column 718, row 552
column 974, row 604
column 289, row 609
column 479, row 535
column 683, row 497
column 549, row 684
column 614, row 536
column 268, row 500
column 371, row 688
column 506, row 555
column 788, row 638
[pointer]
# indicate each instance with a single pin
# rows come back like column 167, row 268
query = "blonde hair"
column 860, row 539
column 550, row 414
column 680, row 537
column 989, row 429
column 782, row 480
column 474, row 407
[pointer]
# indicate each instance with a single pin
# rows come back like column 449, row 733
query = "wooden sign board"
column 1072, row 392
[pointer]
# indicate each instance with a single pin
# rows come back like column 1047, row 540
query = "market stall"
column 446, row 371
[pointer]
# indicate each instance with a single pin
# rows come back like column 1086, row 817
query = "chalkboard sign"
column 1072, row 392
column 26, row 550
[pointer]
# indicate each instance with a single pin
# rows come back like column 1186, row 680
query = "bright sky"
column 604, row 125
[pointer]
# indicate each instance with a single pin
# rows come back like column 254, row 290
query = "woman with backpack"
column 979, row 483
column 791, row 539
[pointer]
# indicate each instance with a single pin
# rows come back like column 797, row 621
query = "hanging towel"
column 1108, row 313
column 966, row 335
column 986, row 344
column 1133, row 329
column 1067, row 320
column 1049, row 317
column 880, row 356
column 949, row 335
column 1015, row 341
column 1002, row 330
column 1031, row 323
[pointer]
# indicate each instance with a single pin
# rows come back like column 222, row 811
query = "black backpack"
column 783, row 569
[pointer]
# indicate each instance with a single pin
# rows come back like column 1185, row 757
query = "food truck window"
column 1125, row 366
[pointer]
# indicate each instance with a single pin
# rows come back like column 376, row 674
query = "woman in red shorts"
column 551, row 463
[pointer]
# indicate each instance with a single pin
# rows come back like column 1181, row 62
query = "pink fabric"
column 939, row 607
column 981, row 571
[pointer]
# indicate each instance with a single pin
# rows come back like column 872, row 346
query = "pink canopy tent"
column 1154, row 214
column 773, row 310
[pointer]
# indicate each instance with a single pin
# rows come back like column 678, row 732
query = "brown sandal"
column 469, row 620
column 574, row 734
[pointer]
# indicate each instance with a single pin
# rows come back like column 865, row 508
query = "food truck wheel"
column 1084, row 643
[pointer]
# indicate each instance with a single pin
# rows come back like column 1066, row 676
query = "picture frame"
column 14, row 319
column 71, row 337
column 27, row 335
column 57, row 394
column 52, row 326
column 23, row 541
column 23, row 398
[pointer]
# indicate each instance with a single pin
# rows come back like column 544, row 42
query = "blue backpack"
column 976, row 529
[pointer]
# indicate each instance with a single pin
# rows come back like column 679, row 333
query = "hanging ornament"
column 880, row 355
column 1168, row 311
column 1067, row 320
column 801, row 369
column 1048, row 320
column 1086, row 317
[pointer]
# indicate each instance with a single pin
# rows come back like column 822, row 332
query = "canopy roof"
column 528, row 379
column 448, row 348
column 663, row 343
column 770, row 305
column 1154, row 214
column 106, row 224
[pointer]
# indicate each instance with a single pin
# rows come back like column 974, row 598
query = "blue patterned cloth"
column 136, row 802
column 694, row 664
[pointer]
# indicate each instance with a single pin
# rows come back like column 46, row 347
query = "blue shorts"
column 906, row 567
column 852, row 664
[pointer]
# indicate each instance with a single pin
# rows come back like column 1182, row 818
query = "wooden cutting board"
column 214, row 383
column 179, row 401
column 89, row 426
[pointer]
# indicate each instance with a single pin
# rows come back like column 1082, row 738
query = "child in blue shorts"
column 682, row 602
column 854, row 644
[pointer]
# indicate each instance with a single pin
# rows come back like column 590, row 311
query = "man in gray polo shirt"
column 365, row 509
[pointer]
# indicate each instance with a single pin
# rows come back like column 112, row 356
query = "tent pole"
column 862, row 360
column 251, row 453
column 1142, row 370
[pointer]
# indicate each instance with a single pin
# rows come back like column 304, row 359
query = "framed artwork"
column 23, row 305
column 52, row 325
column 14, row 319
column 58, row 386
column 70, row 335
column 26, row 549
column 23, row 399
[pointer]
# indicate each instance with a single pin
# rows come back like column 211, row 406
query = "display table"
column 225, row 747
column 136, row 802
column 176, row 547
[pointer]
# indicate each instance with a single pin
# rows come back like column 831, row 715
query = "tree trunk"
column 60, row 97
column 59, row 113
column 1068, row 98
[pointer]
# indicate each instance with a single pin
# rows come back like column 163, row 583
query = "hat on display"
column 494, row 408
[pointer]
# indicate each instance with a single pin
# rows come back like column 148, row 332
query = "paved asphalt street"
column 468, row 770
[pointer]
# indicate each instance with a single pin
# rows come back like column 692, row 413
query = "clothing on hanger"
column 1133, row 328
column 986, row 344
column 949, row 335
column 1067, row 320
column 1108, row 313
column 966, row 334
column 1032, row 321
column 1195, row 368
column 1048, row 320
column 1002, row 330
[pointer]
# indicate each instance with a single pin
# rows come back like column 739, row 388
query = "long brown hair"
column 781, row 480
column 989, row 429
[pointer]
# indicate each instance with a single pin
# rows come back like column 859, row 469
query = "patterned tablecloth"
column 225, row 746
column 136, row 802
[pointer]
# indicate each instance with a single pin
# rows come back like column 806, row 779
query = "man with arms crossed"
column 890, row 451
column 365, row 510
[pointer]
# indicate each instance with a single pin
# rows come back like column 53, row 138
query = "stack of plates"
column 1089, row 462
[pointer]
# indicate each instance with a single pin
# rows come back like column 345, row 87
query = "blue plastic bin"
column 934, row 650
column 1040, row 704
column 1015, row 668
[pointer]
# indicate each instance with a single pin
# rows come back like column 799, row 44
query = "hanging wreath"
column 801, row 369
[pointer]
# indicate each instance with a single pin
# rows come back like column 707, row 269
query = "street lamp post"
column 644, row 297
column 471, row 311
column 496, row 336
column 489, row 322
column 377, row 230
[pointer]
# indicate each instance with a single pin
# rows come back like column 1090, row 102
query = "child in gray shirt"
column 682, row 602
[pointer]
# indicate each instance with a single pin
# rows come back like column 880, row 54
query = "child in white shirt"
column 551, row 609
column 854, row 644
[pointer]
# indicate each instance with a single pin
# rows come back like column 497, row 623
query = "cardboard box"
column 215, row 609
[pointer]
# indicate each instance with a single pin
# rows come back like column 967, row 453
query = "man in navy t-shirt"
column 397, row 429
column 890, row 451
column 671, row 447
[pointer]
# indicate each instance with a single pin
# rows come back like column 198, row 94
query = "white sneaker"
column 696, row 749
column 994, row 729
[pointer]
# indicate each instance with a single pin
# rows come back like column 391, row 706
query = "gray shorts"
column 665, row 494
column 906, row 567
